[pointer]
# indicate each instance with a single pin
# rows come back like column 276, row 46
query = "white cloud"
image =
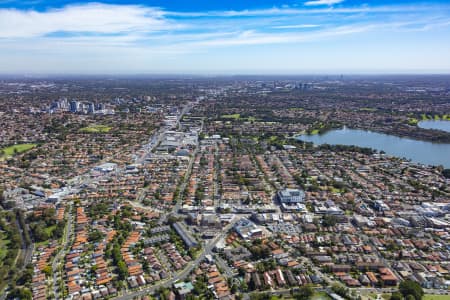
column 136, row 22
column 323, row 2
column 296, row 26
column 92, row 18
column 102, row 35
column 277, row 11
column 258, row 38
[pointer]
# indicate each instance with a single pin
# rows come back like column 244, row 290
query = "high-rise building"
column 91, row 107
column 74, row 106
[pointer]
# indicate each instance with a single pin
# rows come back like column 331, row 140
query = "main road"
column 61, row 252
column 77, row 183
column 182, row 274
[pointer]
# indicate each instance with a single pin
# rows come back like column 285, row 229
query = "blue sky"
column 224, row 37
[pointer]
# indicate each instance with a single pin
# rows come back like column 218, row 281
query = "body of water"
column 432, row 124
column 418, row 151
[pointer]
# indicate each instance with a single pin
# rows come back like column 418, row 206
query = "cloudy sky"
column 224, row 37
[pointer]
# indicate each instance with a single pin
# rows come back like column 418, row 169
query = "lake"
column 418, row 151
column 435, row 124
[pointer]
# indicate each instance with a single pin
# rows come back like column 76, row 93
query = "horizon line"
column 227, row 74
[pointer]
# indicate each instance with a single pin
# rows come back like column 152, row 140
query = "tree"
column 39, row 233
column 58, row 232
column 26, row 276
column 9, row 204
column 409, row 287
column 21, row 293
column 305, row 292
column 243, row 287
column 396, row 296
column 446, row 173
column 95, row 236
column 47, row 270
column 122, row 270
column 200, row 286
column 329, row 220
column 340, row 290
column 172, row 219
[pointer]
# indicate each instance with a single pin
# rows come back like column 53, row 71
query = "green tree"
column 95, row 236
column 39, row 233
column 305, row 292
column 47, row 271
column 396, row 296
column 21, row 293
column 26, row 276
column 446, row 173
column 340, row 290
column 409, row 287
column 59, row 230
column 329, row 220
column 122, row 270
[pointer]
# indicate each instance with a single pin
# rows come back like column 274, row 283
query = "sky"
column 224, row 37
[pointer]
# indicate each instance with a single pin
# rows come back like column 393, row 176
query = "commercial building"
column 292, row 199
column 290, row 196
column 185, row 236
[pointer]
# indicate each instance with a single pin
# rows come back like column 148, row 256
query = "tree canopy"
column 409, row 287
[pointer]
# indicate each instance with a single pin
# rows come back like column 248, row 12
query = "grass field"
column 96, row 129
column 49, row 230
column 436, row 297
column 41, row 244
column 19, row 148
column 237, row 117
column 233, row 116
column 320, row 296
column 425, row 117
column 413, row 121
column 336, row 191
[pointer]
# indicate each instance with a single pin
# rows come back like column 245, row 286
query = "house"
column 183, row 289
column 340, row 268
column 387, row 277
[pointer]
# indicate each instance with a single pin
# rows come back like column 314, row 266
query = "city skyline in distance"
column 264, row 37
